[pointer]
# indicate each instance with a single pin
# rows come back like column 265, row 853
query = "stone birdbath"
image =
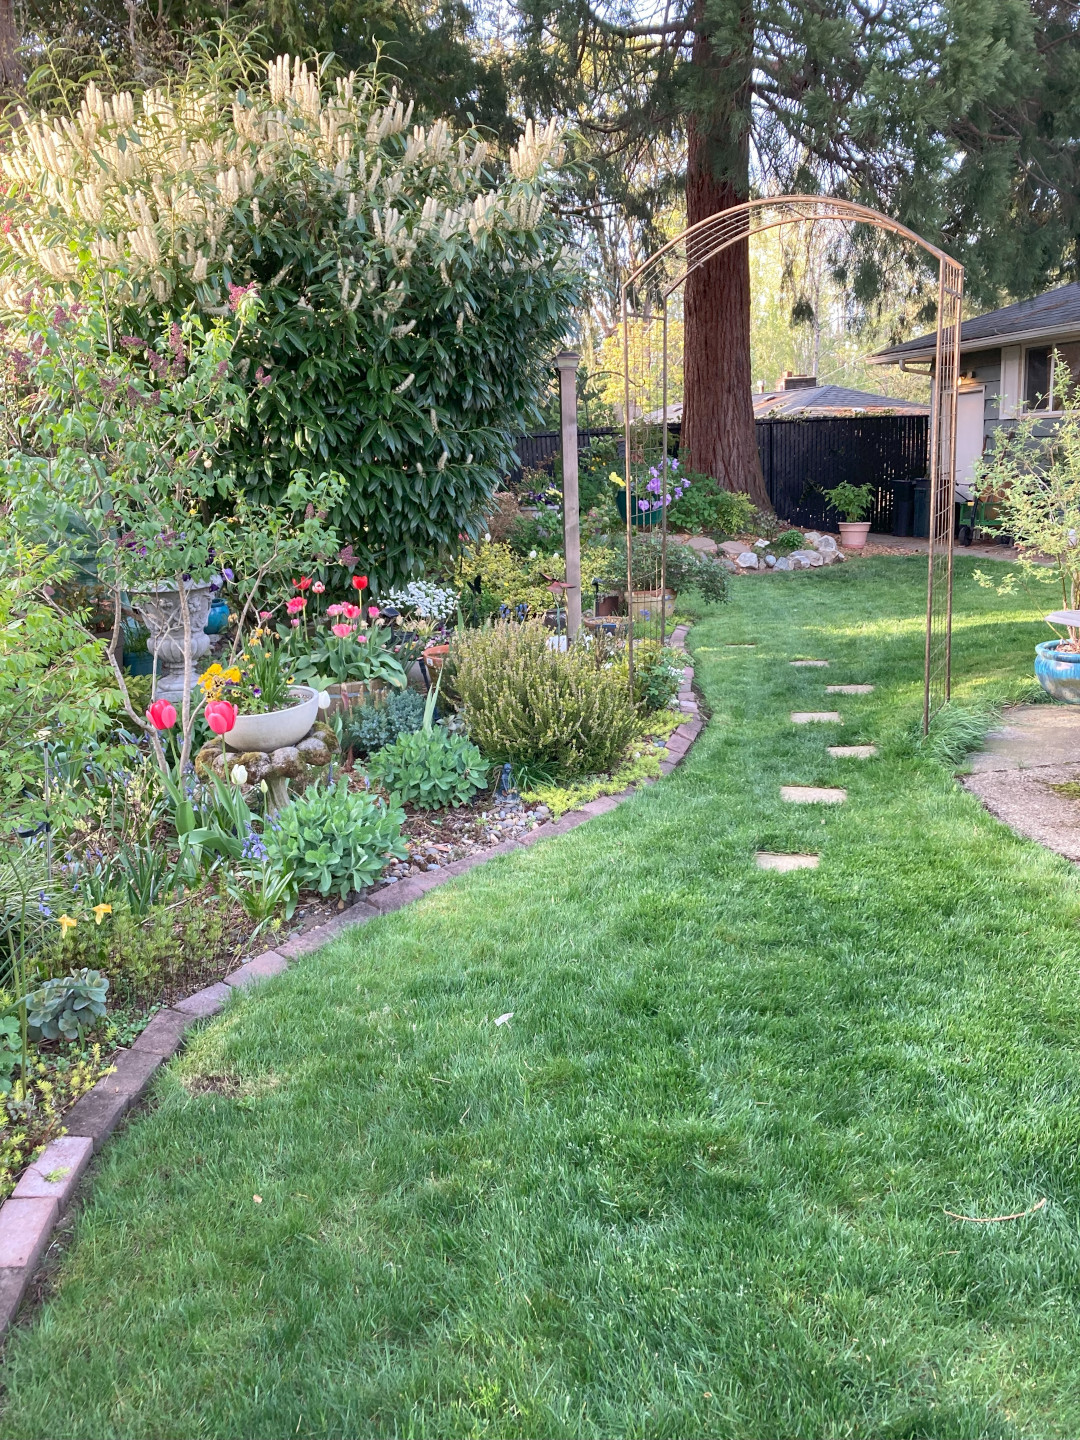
column 277, row 767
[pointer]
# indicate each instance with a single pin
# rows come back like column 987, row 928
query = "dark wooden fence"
column 802, row 458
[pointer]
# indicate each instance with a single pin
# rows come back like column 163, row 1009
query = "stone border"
column 47, row 1187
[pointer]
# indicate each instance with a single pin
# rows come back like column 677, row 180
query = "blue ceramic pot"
column 141, row 663
column 218, row 618
column 1058, row 675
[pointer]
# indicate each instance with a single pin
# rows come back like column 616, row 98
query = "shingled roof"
column 1046, row 317
column 814, row 400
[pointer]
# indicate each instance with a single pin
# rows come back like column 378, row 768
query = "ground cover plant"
column 621, row 1135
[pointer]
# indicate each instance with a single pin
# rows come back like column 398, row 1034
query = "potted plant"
column 272, row 711
column 1035, row 482
column 852, row 502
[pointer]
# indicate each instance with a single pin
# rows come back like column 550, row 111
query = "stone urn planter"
column 1059, row 675
column 853, row 533
column 158, row 607
column 277, row 728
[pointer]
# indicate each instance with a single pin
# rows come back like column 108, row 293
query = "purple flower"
column 643, row 505
column 227, row 573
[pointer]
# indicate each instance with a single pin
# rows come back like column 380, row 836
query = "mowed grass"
column 696, row 1185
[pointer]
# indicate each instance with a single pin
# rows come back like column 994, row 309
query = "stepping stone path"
column 769, row 860
column 811, row 717
column 853, row 752
column 813, row 794
column 849, row 689
column 818, row 664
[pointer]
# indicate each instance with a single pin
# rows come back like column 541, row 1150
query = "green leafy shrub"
column 67, row 1007
column 333, row 840
column 787, row 541
column 414, row 288
column 657, row 675
column 380, row 722
column 684, row 568
column 705, row 507
column 524, row 701
column 431, row 768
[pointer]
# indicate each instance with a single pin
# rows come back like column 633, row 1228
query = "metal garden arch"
column 654, row 292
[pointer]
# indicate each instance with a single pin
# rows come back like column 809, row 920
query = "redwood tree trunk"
column 718, row 432
column 11, row 71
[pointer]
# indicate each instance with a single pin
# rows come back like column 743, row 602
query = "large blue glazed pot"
column 1058, row 675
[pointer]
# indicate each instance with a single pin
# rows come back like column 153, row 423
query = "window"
column 1039, row 379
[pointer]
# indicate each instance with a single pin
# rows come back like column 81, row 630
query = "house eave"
column 984, row 342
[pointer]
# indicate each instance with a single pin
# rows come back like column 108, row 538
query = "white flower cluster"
column 424, row 599
column 151, row 185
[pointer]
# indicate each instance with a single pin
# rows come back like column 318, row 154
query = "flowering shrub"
column 424, row 599
column 530, row 704
column 413, row 288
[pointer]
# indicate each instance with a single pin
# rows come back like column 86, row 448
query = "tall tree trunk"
column 718, row 432
column 12, row 76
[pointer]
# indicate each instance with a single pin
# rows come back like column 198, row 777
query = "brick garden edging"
column 47, row 1187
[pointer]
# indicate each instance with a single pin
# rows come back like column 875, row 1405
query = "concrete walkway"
column 1035, row 748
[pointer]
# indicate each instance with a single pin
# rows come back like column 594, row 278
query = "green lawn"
column 695, row 1187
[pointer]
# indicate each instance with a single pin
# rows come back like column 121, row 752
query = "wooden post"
column 567, row 362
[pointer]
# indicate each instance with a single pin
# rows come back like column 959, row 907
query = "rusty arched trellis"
column 657, row 286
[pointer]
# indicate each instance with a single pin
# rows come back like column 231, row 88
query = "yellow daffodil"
column 67, row 923
column 100, row 911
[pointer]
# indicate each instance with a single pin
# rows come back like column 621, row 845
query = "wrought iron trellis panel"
column 648, row 297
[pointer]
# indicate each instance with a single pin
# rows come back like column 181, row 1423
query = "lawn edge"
column 31, row 1213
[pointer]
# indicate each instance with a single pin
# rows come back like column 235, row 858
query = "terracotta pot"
column 608, row 604
column 853, row 533
column 435, row 656
column 351, row 693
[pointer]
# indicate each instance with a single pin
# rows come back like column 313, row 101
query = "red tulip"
column 162, row 715
column 220, row 716
column 295, row 605
column 303, row 583
column 359, row 582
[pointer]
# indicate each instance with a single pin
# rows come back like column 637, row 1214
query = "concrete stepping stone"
column 853, row 752
column 849, row 689
column 817, row 664
column 770, row 860
column 813, row 794
column 812, row 717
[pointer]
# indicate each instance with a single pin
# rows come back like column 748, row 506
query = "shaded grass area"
column 695, row 1186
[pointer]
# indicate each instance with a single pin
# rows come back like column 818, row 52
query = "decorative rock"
column 728, row 564
column 812, row 795
column 731, row 548
column 702, row 544
column 806, row 559
column 821, row 543
column 853, row 752
column 290, row 762
column 770, row 561
column 770, row 860
column 760, row 544
column 783, row 563
column 748, row 560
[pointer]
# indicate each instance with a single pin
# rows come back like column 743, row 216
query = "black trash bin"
column 922, row 509
column 903, row 507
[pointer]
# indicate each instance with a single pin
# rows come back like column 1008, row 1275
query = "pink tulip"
column 295, row 605
column 351, row 612
column 373, row 612
column 162, row 715
column 295, row 624
column 265, row 615
column 318, row 587
column 341, row 630
column 362, row 638
column 334, row 609
column 220, row 716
